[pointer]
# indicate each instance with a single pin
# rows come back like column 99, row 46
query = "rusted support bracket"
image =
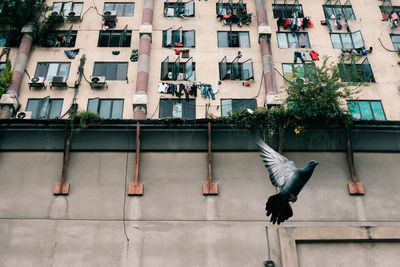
column 355, row 188
column 136, row 189
column 62, row 188
column 210, row 188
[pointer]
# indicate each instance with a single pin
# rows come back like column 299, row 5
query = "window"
column 395, row 40
column 235, row 70
column 113, row 38
column 231, row 106
column 50, row 69
column 347, row 40
column 66, row 7
column 106, row 108
column 111, row 70
column 293, row 40
column 45, row 108
column 61, row 39
column 305, row 71
column 366, row 110
column 287, row 10
column 177, row 108
column 336, row 10
column 123, row 9
column 387, row 9
column 9, row 38
column 230, row 8
column 3, row 65
column 179, row 9
column 356, row 72
column 233, row 39
column 178, row 38
column 178, row 71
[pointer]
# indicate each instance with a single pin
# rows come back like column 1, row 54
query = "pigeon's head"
column 313, row 163
column 311, row 166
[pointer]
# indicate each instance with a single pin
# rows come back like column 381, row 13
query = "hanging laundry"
column 116, row 52
column 287, row 23
column 71, row 53
column 314, row 55
column 280, row 22
column 163, row 88
column 298, row 55
column 307, row 56
column 134, row 55
column 338, row 25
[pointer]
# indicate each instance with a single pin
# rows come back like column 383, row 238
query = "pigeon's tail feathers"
column 279, row 209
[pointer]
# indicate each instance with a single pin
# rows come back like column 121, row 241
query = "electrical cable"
column 379, row 39
column 125, row 189
column 94, row 5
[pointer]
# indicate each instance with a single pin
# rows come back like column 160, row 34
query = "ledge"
column 120, row 135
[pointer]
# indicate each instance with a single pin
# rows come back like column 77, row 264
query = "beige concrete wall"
column 206, row 54
column 173, row 223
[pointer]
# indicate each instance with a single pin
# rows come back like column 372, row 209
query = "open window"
column 61, row 38
column 178, row 38
column 236, row 70
column 44, row 108
column 352, row 40
column 334, row 9
column 178, row 71
column 352, row 72
column 287, row 9
column 179, row 9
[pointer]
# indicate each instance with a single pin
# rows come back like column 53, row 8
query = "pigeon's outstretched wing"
column 279, row 167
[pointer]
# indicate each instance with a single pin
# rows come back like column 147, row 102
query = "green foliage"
column 321, row 96
column 5, row 77
column 85, row 119
column 47, row 27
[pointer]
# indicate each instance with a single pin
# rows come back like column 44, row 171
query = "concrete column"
column 266, row 54
column 18, row 72
column 139, row 111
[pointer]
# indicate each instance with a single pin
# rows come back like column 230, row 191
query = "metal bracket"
column 210, row 188
column 136, row 189
column 62, row 188
column 355, row 188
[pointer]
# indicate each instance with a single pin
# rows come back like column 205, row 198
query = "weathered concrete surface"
column 102, row 243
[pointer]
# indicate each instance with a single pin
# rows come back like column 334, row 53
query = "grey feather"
column 280, row 169
column 284, row 174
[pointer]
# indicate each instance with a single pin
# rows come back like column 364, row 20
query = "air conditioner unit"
column 36, row 82
column 55, row 13
column 59, row 81
column 26, row 115
column 110, row 15
column 73, row 16
column 98, row 82
column 9, row 99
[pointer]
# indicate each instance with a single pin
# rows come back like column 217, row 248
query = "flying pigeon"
column 283, row 174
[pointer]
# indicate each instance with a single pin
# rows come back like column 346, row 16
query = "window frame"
column 181, row 6
column 58, row 69
column 229, row 38
column 346, row 68
column 170, row 34
column 98, row 102
column 114, row 4
column 97, row 63
column 293, row 65
column 371, row 109
column 396, row 45
column 62, row 34
column 188, row 108
column 176, row 68
column 351, row 38
column 337, row 5
column 72, row 8
column 287, row 39
column 230, row 5
column 234, row 69
column 287, row 10
column 111, row 32
column 236, row 103
column 44, row 107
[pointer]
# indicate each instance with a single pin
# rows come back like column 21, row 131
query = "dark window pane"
column 165, row 108
column 189, row 109
column 354, row 110
column 93, row 105
column 378, row 110
column 41, row 69
column 55, row 108
column 99, row 69
column 111, row 73
column 105, row 108
column 122, row 71
column 117, row 109
column 104, row 39
column 33, row 106
column 43, row 108
column 127, row 41
column 115, row 39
